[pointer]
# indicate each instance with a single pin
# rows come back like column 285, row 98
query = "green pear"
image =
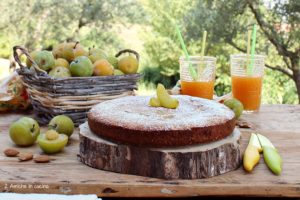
column 272, row 159
column 118, row 72
column 113, row 61
column 96, row 54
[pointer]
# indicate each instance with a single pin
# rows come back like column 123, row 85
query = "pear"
column 96, row 54
column 62, row 63
column 58, row 50
column 128, row 65
column 118, row 72
column 113, row 61
column 69, row 51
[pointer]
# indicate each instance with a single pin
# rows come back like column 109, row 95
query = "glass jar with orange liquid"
column 201, row 85
column 246, row 79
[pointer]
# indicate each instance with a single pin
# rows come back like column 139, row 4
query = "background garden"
column 145, row 25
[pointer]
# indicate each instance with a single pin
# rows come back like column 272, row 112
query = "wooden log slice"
column 187, row 162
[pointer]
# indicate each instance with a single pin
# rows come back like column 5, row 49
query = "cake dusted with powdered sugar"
column 130, row 120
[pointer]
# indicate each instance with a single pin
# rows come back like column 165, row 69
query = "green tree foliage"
column 161, row 42
column 227, row 23
column 40, row 24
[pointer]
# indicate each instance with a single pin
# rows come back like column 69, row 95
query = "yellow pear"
column 69, row 51
column 62, row 63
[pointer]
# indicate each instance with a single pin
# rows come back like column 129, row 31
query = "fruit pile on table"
column 26, row 132
column 71, row 59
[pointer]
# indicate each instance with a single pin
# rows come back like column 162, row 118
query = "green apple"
column 52, row 142
column 236, row 106
column 62, row 124
column 44, row 59
column 60, row 72
column 24, row 131
column 81, row 66
column 96, row 54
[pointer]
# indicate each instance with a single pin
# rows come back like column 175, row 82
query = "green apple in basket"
column 81, row 66
column 60, row 72
column 44, row 59
column 24, row 132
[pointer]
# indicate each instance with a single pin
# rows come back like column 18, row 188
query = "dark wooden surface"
column 66, row 175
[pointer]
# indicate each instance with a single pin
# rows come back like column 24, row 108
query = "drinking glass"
column 247, row 81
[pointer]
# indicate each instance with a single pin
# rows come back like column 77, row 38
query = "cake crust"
column 129, row 120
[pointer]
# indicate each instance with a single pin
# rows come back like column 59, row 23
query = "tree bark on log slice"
column 188, row 162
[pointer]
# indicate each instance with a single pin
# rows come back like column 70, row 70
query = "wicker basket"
column 72, row 96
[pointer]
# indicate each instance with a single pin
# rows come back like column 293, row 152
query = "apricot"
column 103, row 68
column 165, row 99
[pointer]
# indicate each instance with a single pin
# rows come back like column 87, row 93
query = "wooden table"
column 66, row 175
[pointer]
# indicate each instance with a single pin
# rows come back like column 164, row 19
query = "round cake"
column 130, row 120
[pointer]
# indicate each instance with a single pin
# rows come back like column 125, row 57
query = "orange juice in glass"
column 246, row 80
column 203, row 84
